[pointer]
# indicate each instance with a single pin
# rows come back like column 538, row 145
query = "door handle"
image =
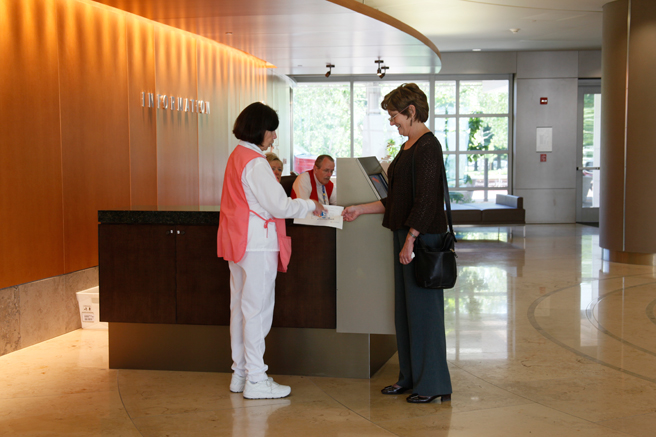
column 588, row 168
column 181, row 232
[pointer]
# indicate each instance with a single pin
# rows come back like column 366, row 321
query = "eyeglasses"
column 391, row 119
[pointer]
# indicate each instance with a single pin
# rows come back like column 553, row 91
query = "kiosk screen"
column 380, row 184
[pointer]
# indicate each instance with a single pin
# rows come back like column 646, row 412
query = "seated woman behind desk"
column 252, row 238
column 276, row 165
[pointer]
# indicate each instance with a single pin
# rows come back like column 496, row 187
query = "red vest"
column 315, row 195
column 232, row 236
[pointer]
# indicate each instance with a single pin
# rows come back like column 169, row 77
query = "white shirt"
column 266, row 197
column 303, row 189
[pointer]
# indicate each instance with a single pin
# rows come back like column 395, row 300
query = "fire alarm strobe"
column 544, row 100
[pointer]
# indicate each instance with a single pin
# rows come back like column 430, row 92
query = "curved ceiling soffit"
column 363, row 9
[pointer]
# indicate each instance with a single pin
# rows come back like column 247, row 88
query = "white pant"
column 252, row 296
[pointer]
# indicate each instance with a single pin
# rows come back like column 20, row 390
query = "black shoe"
column 391, row 390
column 416, row 399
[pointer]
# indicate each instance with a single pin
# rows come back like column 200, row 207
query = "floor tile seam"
column 56, row 395
column 480, row 378
column 632, row 416
column 649, row 311
column 475, row 410
column 352, row 410
column 206, row 410
column 125, row 407
column 460, row 411
column 594, row 321
column 548, row 336
column 531, row 402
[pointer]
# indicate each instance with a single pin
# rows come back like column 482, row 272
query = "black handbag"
column 435, row 263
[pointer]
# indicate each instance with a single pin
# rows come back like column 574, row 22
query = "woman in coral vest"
column 253, row 240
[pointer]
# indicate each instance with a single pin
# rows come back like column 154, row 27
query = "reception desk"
column 166, row 297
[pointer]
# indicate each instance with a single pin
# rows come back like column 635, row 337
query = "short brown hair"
column 320, row 158
column 407, row 94
column 254, row 121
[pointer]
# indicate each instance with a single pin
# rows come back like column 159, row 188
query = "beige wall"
column 76, row 138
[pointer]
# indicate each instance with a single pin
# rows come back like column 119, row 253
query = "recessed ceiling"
column 300, row 36
column 462, row 25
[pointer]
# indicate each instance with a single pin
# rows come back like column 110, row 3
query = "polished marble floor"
column 544, row 339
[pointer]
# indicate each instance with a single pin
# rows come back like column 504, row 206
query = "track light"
column 330, row 68
column 381, row 68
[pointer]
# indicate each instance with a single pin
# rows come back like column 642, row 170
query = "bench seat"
column 507, row 210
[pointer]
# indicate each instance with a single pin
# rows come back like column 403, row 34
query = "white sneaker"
column 266, row 390
column 237, row 383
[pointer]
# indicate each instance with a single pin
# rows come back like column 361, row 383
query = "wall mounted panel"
column 177, row 130
column 215, row 128
column 143, row 129
column 95, row 123
column 31, row 235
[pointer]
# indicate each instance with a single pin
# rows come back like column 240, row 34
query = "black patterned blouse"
column 426, row 213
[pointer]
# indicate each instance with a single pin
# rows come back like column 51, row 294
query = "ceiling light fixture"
column 330, row 68
column 381, row 68
column 514, row 30
column 476, row 50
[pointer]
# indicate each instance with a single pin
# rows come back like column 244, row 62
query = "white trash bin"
column 89, row 303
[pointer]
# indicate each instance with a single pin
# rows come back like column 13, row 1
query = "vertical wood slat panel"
column 177, row 131
column 101, row 151
column 31, row 235
column 143, row 131
column 614, row 65
column 215, row 129
column 95, row 123
column 641, row 155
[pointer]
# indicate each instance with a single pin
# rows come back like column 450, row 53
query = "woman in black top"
column 418, row 312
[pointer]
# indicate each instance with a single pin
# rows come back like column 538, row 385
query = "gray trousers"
column 420, row 337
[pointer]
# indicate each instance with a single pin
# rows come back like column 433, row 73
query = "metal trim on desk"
column 206, row 348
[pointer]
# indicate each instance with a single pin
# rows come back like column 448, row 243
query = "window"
column 374, row 136
column 470, row 117
column 321, row 123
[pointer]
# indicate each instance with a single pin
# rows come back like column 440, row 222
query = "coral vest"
column 315, row 195
column 232, row 236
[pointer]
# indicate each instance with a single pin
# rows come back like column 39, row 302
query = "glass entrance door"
column 588, row 160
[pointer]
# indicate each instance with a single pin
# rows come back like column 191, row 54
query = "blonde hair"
column 273, row 157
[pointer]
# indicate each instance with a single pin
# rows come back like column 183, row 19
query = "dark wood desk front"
column 168, row 273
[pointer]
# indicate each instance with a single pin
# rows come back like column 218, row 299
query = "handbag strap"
column 447, row 199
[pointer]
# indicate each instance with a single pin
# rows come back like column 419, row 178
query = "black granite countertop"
column 162, row 215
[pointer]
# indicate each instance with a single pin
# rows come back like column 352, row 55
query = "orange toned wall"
column 76, row 139
column 32, row 230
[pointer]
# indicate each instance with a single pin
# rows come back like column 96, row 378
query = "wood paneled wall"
column 76, row 139
column 31, row 210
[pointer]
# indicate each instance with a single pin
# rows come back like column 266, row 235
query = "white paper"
column 333, row 218
column 543, row 139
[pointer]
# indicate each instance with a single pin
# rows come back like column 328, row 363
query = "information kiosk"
column 365, row 267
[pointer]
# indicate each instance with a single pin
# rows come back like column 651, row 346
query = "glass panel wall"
column 591, row 150
column 470, row 117
column 477, row 157
column 321, row 123
column 374, row 136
